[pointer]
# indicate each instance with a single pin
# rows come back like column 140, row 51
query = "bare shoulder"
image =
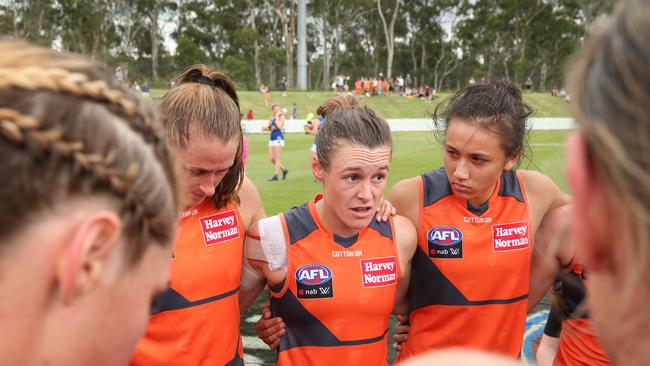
column 404, row 226
column 405, row 196
column 250, row 203
column 535, row 181
column 543, row 195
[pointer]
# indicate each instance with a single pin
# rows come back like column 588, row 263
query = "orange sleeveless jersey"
column 338, row 294
column 470, row 272
column 579, row 344
column 196, row 321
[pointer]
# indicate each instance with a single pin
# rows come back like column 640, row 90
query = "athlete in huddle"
column 87, row 210
column 333, row 270
column 276, row 142
column 476, row 220
column 196, row 321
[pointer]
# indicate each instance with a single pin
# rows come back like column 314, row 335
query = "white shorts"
column 276, row 143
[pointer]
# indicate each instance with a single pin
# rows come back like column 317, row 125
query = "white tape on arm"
column 273, row 243
column 250, row 278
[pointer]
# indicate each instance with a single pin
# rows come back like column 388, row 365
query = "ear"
column 316, row 168
column 84, row 257
column 589, row 214
column 511, row 162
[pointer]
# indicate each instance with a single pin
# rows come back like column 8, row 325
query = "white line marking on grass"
column 251, row 342
column 253, row 319
column 252, row 360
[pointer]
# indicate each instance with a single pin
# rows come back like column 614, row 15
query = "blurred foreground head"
column 88, row 210
column 608, row 167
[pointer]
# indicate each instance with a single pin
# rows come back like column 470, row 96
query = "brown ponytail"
column 205, row 102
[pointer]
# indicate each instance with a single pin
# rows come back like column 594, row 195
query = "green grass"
column 389, row 107
column 414, row 153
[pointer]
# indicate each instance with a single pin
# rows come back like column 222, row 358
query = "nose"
column 462, row 170
column 208, row 186
column 365, row 192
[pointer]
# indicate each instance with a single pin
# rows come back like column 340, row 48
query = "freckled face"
column 474, row 160
column 353, row 186
column 205, row 161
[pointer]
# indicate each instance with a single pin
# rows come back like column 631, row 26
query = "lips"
column 196, row 198
column 361, row 212
column 461, row 187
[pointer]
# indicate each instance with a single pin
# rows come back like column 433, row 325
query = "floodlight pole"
column 302, row 44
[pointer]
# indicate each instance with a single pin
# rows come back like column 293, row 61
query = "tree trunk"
column 543, row 74
column 389, row 33
column 155, row 39
column 256, row 51
column 290, row 44
column 326, row 55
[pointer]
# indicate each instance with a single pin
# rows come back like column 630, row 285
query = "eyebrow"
column 356, row 168
column 478, row 153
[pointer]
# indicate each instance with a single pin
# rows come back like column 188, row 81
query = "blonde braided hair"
column 70, row 131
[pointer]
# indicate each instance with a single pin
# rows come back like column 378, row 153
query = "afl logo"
column 445, row 235
column 313, row 274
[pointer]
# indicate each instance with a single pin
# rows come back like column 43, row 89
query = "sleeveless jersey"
column 338, row 294
column 196, row 321
column 470, row 272
column 579, row 344
column 276, row 133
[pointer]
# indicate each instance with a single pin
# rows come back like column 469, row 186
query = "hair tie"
column 219, row 83
column 204, row 80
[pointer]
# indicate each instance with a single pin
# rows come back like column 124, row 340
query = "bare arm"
column 405, row 200
column 279, row 120
column 406, row 237
column 252, row 211
column 549, row 217
column 315, row 125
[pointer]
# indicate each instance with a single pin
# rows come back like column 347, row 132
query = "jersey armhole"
column 420, row 199
column 398, row 269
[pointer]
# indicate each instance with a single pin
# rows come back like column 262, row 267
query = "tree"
column 389, row 33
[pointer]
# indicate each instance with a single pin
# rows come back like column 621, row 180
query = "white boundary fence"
column 297, row 126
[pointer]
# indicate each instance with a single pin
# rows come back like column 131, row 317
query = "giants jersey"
column 470, row 275
column 579, row 344
column 338, row 293
column 196, row 321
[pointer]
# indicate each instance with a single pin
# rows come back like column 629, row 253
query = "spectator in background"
column 265, row 94
column 284, row 86
column 528, row 85
column 145, row 89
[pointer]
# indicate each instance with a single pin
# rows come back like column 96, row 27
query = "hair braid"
column 59, row 80
column 27, row 130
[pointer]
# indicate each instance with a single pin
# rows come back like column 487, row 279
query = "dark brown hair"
column 69, row 130
column 205, row 102
column 498, row 107
column 348, row 121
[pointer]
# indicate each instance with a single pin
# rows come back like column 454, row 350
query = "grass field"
column 414, row 153
column 389, row 107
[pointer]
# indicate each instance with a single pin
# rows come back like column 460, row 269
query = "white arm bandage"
column 273, row 243
column 250, row 278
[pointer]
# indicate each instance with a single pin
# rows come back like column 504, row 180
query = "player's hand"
column 401, row 333
column 270, row 329
column 385, row 210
